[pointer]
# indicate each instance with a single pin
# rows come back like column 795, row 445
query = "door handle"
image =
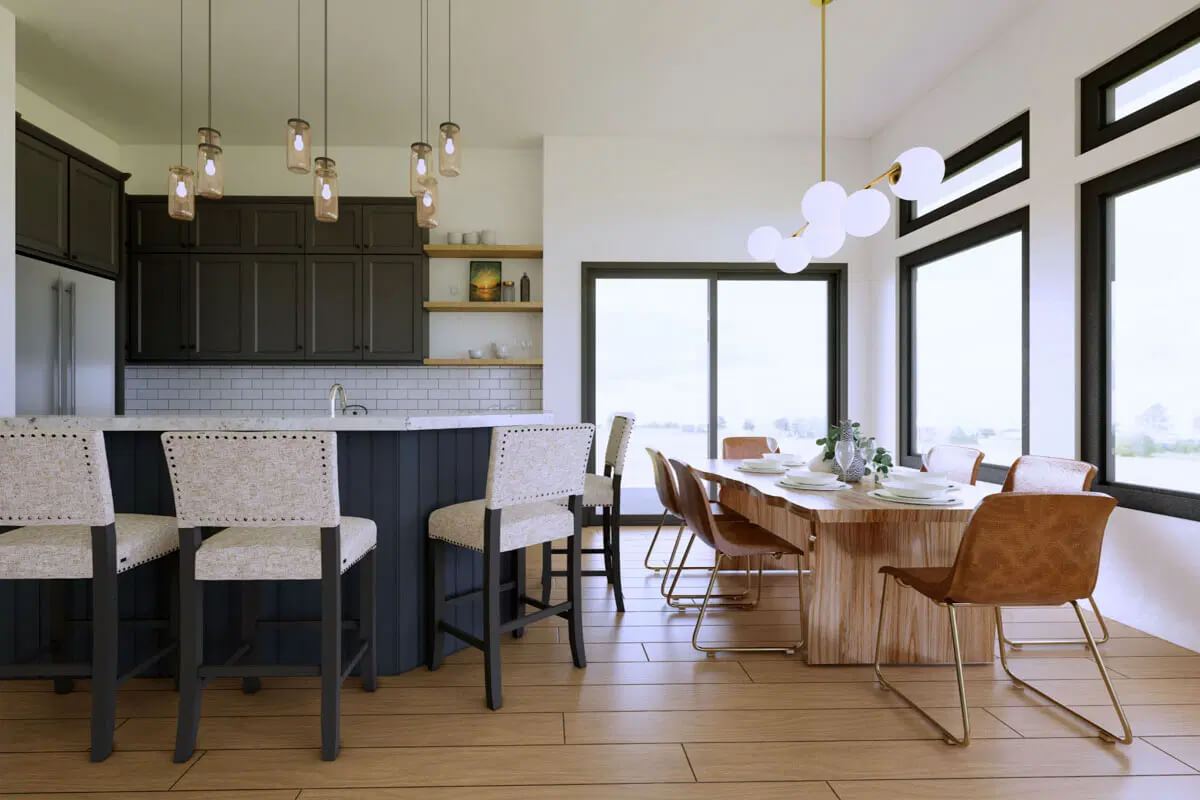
column 57, row 376
column 71, row 368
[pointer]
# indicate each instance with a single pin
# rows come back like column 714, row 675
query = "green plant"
column 881, row 462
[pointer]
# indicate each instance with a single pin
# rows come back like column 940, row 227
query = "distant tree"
column 1154, row 418
column 748, row 425
column 959, row 436
column 986, row 433
column 782, row 424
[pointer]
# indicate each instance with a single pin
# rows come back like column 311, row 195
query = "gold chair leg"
column 670, row 561
column 653, row 540
column 1104, row 636
column 1105, row 734
column 947, row 736
column 712, row 651
column 674, row 599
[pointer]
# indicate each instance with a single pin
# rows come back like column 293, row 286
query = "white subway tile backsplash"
column 298, row 391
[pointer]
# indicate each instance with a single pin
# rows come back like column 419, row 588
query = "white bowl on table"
column 810, row 478
column 916, row 489
column 768, row 463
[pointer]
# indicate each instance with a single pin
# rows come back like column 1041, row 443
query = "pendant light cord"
column 450, row 60
column 427, row 114
column 421, row 71
column 326, row 78
column 210, row 63
column 822, row 91
column 181, row 82
column 298, row 59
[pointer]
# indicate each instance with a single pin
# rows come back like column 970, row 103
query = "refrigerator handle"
column 56, row 287
column 71, row 365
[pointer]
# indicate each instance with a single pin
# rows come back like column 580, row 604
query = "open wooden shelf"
column 483, row 362
column 483, row 250
column 439, row 305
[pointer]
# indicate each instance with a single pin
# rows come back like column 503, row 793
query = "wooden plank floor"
column 649, row 718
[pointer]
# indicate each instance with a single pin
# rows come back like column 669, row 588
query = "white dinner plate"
column 813, row 487
column 884, row 494
column 756, row 471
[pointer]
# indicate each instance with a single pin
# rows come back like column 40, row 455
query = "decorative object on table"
column 485, row 281
column 851, row 466
column 470, row 237
column 453, row 237
column 508, row 291
column 487, row 236
column 475, row 352
column 880, row 463
column 501, row 350
column 829, row 214
column 524, row 287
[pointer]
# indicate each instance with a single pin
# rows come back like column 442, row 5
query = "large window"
column 1148, row 81
column 988, row 165
column 700, row 353
column 1141, row 290
column 964, row 344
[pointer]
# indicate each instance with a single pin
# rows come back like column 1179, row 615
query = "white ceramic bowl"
column 809, row 477
column 919, row 490
column 764, row 463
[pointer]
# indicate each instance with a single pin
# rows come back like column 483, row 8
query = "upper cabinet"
column 68, row 205
column 343, row 236
column 390, row 229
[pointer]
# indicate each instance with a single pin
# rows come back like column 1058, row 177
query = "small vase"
column 818, row 463
column 852, row 475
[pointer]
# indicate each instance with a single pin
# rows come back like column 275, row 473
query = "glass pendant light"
column 427, row 204
column 449, row 133
column 181, row 181
column 210, row 162
column 325, row 177
column 297, row 145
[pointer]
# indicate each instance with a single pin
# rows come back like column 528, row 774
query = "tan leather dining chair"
column 1049, row 474
column 747, row 446
column 731, row 538
column 958, row 463
column 1019, row 549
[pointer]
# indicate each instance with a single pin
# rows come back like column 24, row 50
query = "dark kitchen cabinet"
column 152, row 230
column 274, row 227
column 218, row 292
column 343, row 236
column 334, row 296
column 41, row 196
column 274, row 315
column 390, row 229
column 94, row 218
column 395, row 324
column 159, row 319
column 217, row 227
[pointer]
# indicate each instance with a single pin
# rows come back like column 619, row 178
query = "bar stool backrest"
column 958, row 463
column 618, row 442
column 694, row 506
column 54, row 477
column 1026, row 548
column 1049, row 474
column 254, row 479
column 537, row 463
column 663, row 482
column 747, row 446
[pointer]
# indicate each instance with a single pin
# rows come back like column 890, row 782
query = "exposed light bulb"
column 449, row 145
column 427, row 199
column 298, row 143
column 180, row 189
column 421, row 168
column 210, row 168
column 326, row 193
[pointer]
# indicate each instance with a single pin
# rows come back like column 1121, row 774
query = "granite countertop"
column 424, row 421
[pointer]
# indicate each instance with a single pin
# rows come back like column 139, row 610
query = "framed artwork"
column 485, row 281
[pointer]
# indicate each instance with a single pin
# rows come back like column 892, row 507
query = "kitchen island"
column 394, row 470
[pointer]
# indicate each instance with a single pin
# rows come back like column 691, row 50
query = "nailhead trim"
column 90, row 466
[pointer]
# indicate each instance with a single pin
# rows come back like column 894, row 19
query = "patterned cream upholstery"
column 618, row 442
column 520, row 526
column 264, row 554
column 597, row 490
column 54, row 478
column 534, row 463
column 253, row 479
column 60, row 552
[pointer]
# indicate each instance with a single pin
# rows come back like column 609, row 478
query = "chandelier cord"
column 209, row 63
column 326, row 59
column 181, row 82
column 823, row 5
column 298, row 59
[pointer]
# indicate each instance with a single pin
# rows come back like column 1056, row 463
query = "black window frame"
column 1094, row 127
column 908, row 264
column 1096, row 270
column 834, row 274
column 1016, row 129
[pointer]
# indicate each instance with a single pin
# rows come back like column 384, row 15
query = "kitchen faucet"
column 334, row 391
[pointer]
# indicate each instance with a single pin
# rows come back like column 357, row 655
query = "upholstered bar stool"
column 56, row 488
column 601, row 491
column 1049, row 474
column 1019, row 549
column 958, row 463
column 530, row 470
column 272, row 497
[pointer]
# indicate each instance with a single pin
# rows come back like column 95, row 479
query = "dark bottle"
column 525, row 287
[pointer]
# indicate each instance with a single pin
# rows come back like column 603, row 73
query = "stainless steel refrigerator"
column 66, row 341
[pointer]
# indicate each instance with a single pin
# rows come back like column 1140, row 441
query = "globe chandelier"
column 830, row 214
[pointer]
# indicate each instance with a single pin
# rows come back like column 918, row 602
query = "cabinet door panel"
column 152, row 229
column 41, row 196
column 159, row 316
column 94, row 218
column 276, row 308
column 334, row 297
column 343, row 236
column 275, row 227
column 391, row 229
column 217, row 298
column 394, row 289
column 218, row 226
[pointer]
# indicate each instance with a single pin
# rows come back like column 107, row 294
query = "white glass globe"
column 866, row 212
column 822, row 203
column 792, row 255
column 763, row 242
column 421, row 168
column 326, row 192
column 449, row 146
column 824, row 240
column 181, row 189
column 921, row 172
column 427, row 199
column 298, row 143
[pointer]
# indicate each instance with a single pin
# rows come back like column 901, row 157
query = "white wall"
column 8, row 245
column 608, row 199
column 1149, row 577
column 70, row 129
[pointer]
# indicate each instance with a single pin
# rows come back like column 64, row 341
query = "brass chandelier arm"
column 891, row 176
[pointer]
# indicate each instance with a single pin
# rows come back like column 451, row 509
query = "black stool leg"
column 491, row 608
column 436, row 575
column 518, row 605
column 56, row 624
column 547, row 567
column 191, row 645
column 614, row 546
column 173, row 614
column 104, row 639
column 366, row 621
column 331, row 642
column 250, row 600
column 575, row 594
column 606, row 539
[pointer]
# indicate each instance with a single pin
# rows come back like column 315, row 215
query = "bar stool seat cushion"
column 278, row 554
column 597, row 490
column 65, row 551
column 520, row 525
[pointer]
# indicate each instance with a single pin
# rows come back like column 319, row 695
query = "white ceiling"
column 522, row 68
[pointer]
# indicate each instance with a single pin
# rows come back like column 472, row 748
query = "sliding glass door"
column 701, row 353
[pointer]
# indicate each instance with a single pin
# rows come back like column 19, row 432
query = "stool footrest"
column 349, row 666
column 260, row 671
column 459, row 633
column 146, row 664
column 529, row 619
column 81, row 669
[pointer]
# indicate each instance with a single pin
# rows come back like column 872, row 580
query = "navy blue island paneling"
column 395, row 478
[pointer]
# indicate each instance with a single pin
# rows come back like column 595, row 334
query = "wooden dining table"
column 847, row 536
